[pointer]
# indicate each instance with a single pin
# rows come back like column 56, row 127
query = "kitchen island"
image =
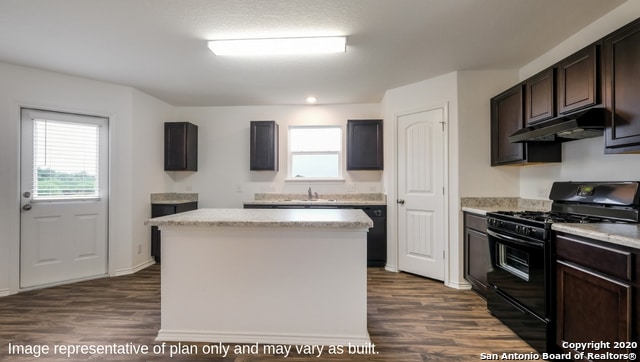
column 264, row 276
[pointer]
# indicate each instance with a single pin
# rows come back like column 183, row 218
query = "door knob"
column 26, row 207
column 400, row 201
column 27, row 194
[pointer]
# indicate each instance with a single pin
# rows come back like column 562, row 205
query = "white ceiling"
column 160, row 46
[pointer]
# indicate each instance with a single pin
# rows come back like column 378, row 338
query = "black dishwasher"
column 376, row 237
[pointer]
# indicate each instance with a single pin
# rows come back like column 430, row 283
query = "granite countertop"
column 173, row 198
column 483, row 205
column 324, row 200
column 615, row 233
column 483, row 210
column 171, row 202
column 282, row 218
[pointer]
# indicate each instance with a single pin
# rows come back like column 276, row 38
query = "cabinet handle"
column 400, row 201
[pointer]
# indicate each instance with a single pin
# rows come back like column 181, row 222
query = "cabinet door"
column 158, row 210
column 622, row 89
column 591, row 307
column 180, row 146
column 364, row 145
column 540, row 93
column 263, row 146
column 506, row 119
column 476, row 261
column 578, row 80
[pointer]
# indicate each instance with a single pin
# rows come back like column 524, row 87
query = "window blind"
column 65, row 160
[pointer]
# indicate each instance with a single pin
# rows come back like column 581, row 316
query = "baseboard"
column 261, row 338
column 134, row 269
column 5, row 292
column 458, row 285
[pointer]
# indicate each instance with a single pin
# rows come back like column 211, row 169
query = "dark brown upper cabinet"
column 540, row 95
column 180, row 146
column 364, row 144
column 506, row 118
column 621, row 52
column 579, row 80
column 263, row 146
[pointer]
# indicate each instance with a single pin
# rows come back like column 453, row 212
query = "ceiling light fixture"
column 311, row 99
column 279, row 46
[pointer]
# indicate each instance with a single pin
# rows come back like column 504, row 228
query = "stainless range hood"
column 582, row 124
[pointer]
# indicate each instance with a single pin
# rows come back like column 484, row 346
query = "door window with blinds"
column 65, row 160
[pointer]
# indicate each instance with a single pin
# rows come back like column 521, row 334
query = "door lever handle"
column 26, row 207
column 401, row 201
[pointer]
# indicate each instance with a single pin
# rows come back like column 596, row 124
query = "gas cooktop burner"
column 551, row 217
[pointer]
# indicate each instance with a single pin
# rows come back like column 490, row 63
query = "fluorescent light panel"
column 279, row 46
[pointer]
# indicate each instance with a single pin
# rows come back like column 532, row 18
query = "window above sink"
column 315, row 153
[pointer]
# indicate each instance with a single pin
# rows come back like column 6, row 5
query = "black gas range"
column 521, row 289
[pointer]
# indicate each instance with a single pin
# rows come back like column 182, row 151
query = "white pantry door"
column 420, row 191
column 64, row 198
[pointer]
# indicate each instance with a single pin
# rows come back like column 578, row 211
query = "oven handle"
column 514, row 240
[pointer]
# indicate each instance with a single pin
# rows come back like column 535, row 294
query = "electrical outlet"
column 238, row 188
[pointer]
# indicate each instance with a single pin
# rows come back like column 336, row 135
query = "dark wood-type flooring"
column 410, row 318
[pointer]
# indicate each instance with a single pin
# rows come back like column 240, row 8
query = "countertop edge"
column 172, row 202
column 625, row 235
column 265, row 218
column 311, row 203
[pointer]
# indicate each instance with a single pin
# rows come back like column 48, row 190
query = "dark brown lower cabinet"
column 164, row 209
column 597, row 298
column 476, row 252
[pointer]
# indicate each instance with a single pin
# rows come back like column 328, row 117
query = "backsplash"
column 342, row 197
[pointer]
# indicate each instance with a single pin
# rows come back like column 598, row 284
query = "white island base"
column 271, row 285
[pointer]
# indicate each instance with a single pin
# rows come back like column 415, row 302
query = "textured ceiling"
column 160, row 46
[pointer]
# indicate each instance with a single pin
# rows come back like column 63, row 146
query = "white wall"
column 477, row 177
column 223, row 178
column 582, row 160
column 22, row 86
column 148, row 176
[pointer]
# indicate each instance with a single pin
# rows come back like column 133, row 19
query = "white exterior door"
column 421, row 193
column 64, row 198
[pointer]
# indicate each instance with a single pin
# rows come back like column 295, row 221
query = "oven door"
column 519, row 270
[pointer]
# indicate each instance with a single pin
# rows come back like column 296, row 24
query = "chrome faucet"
column 309, row 194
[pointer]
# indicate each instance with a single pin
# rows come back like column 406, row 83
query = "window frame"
column 100, row 162
column 339, row 152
